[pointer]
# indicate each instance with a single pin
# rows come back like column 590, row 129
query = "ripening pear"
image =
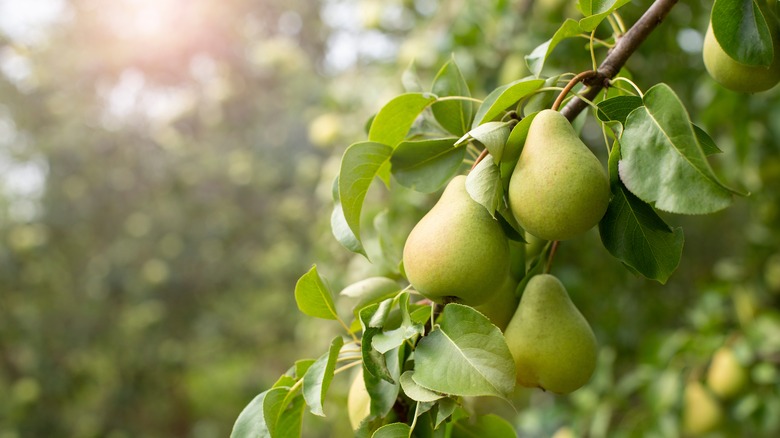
column 358, row 401
column 701, row 411
column 726, row 377
column 559, row 189
column 458, row 251
column 735, row 75
column 500, row 309
column 552, row 344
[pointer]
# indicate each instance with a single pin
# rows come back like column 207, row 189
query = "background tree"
column 167, row 171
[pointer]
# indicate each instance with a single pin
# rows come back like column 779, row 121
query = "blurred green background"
column 165, row 175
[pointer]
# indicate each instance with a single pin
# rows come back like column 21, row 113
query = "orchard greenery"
column 422, row 358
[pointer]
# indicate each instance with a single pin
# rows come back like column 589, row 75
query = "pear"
column 358, row 401
column 726, row 377
column 500, row 309
column 558, row 189
column 552, row 344
column 737, row 76
column 701, row 411
column 457, row 252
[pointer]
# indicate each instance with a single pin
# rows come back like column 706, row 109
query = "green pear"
column 726, row 377
column 701, row 411
column 358, row 401
column 457, row 252
column 500, row 309
column 552, row 344
column 558, row 189
column 737, row 76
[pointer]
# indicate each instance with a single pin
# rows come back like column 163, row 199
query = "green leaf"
column 662, row 161
column 742, row 31
column 391, row 339
column 516, row 140
column 706, row 142
column 314, row 297
column 415, row 391
column 489, row 425
column 393, row 121
column 273, row 413
column 504, row 97
column 446, row 407
column 370, row 290
column 374, row 361
column 536, row 59
column 454, row 115
column 339, row 226
column 483, row 184
column 491, row 135
column 251, row 421
column 426, row 165
column 393, row 430
column 383, row 393
column 471, row 350
column 359, row 165
column 596, row 11
column 317, row 379
column 618, row 108
column 301, row 366
column 634, row 234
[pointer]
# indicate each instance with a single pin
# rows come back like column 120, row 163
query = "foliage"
column 147, row 286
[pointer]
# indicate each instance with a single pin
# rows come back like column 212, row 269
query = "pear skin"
column 457, row 252
column 701, row 411
column 358, row 401
column 726, row 376
column 734, row 75
column 552, row 344
column 500, row 309
column 558, row 189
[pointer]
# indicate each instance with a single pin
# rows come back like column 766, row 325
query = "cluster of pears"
column 726, row 378
column 459, row 253
column 735, row 75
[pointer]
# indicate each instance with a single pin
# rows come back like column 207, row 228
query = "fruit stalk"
column 619, row 54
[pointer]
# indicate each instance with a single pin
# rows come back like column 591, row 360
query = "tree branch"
column 619, row 54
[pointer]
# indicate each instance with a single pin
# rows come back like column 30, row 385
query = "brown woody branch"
column 619, row 54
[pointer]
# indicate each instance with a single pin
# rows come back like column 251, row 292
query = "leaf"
column 516, row 140
column 491, row 135
column 503, row 97
column 273, row 413
column 634, row 234
column 490, row 425
column 383, row 393
column 426, row 165
column 313, row 296
column 415, row 391
column 359, row 166
column 454, row 115
column 618, row 108
column 393, row 121
column 471, row 350
column 317, row 379
column 446, row 407
column 391, row 339
column 536, row 59
column 483, row 184
column 662, row 162
column 370, row 290
column 251, row 421
column 339, row 226
column 393, row 430
column 742, row 31
column 596, row 11
column 706, row 142
column 373, row 360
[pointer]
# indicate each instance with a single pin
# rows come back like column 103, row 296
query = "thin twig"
column 619, row 54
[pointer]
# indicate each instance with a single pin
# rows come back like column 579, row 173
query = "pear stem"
column 624, row 48
column 481, row 156
column 581, row 77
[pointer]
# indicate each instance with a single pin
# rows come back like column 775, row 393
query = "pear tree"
column 473, row 309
